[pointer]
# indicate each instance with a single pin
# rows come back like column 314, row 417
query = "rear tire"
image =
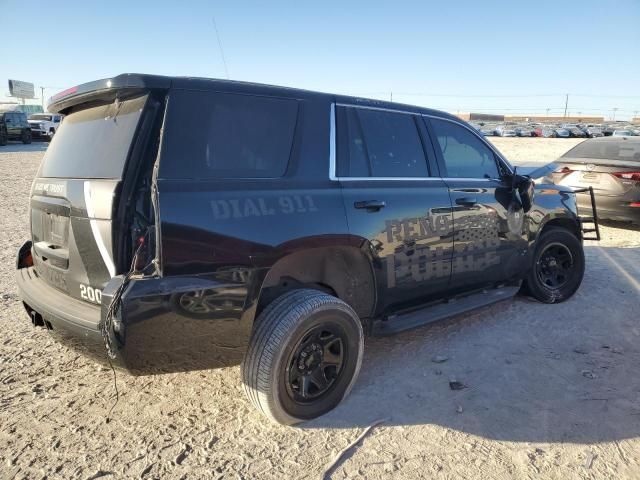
column 558, row 267
column 3, row 139
column 304, row 356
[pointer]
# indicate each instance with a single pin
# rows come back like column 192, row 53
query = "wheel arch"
column 343, row 271
column 568, row 223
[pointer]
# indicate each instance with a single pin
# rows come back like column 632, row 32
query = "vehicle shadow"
column 624, row 225
column 15, row 147
column 530, row 372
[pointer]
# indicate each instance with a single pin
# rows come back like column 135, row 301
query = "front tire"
column 303, row 357
column 558, row 266
column 26, row 137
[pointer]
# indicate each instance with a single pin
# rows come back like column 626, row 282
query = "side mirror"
column 527, row 193
column 523, row 190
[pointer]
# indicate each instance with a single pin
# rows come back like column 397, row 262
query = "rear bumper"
column 162, row 324
column 611, row 208
column 60, row 311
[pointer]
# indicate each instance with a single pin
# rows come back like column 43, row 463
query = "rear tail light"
column 64, row 93
column 628, row 175
column 634, row 204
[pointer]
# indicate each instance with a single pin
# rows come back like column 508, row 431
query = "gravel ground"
column 552, row 391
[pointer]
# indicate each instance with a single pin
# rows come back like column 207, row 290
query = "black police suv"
column 185, row 223
column 14, row 126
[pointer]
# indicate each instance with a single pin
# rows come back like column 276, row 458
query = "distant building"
column 553, row 119
column 490, row 117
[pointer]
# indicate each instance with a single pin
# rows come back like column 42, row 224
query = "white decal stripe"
column 106, row 258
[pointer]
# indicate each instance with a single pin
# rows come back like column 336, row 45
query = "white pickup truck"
column 44, row 125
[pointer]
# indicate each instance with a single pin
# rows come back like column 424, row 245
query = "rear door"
column 395, row 200
column 73, row 197
column 489, row 239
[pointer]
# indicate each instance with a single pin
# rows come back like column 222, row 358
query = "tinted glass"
column 380, row 144
column 219, row 135
column 93, row 143
column 464, row 154
column 606, row 150
column 352, row 154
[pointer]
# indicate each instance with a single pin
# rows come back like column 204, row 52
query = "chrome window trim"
column 332, row 144
column 332, row 149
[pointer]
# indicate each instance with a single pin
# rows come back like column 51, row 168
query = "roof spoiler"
column 106, row 90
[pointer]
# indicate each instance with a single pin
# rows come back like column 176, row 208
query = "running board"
column 442, row 310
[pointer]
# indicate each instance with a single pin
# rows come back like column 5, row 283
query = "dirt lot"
column 553, row 390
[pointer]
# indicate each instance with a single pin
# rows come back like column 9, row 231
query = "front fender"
column 553, row 205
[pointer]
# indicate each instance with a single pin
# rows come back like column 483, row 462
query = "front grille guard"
column 593, row 219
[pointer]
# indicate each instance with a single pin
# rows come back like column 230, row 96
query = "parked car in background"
column 544, row 131
column 524, row 131
column 623, row 133
column 561, row 132
column 504, row 131
column 575, row 132
column 610, row 165
column 487, row 131
column 44, row 125
column 592, row 131
column 14, row 126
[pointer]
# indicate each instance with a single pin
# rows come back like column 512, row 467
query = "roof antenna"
column 224, row 62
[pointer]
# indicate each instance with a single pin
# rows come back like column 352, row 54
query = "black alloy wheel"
column 316, row 363
column 558, row 266
column 555, row 266
column 303, row 357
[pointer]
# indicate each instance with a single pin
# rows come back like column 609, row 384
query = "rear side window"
column 463, row 153
column 376, row 143
column 221, row 135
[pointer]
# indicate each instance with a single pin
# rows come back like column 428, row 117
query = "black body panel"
column 221, row 248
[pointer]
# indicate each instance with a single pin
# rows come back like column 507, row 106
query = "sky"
column 488, row 56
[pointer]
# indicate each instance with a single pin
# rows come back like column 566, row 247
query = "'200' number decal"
column 91, row 294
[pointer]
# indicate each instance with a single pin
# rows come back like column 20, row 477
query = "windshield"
column 40, row 117
column 93, row 143
column 620, row 150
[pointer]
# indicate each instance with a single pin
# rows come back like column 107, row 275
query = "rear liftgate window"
column 220, row 135
column 93, row 143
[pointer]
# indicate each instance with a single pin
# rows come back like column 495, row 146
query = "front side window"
column 463, row 153
column 222, row 135
column 376, row 143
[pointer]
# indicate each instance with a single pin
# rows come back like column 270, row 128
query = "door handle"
column 467, row 201
column 370, row 205
column 54, row 254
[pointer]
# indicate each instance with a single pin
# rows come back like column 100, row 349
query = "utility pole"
column 548, row 111
column 566, row 104
column 391, row 96
column 42, row 97
column 615, row 109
